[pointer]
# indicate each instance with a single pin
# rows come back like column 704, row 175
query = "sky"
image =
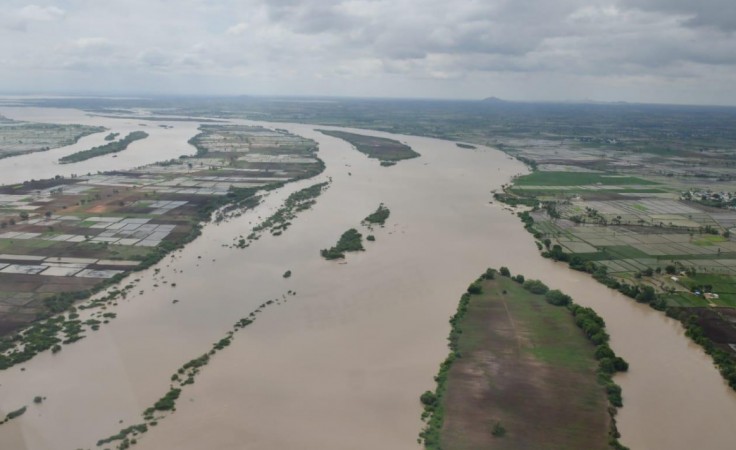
column 660, row 51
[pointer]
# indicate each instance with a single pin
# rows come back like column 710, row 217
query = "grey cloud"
column 701, row 13
column 305, row 46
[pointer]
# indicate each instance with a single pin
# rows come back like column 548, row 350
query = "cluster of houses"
column 723, row 198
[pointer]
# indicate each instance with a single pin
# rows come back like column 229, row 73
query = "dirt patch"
column 718, row 324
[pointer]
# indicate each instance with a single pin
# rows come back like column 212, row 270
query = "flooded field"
column 162, row 144
column 340, row 365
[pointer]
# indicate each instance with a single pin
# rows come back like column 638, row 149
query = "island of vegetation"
column 468, row 146
column 112, row 147
column 112, row 136
column 350, row 241
column 527, row 368
column 378, row 217
column 388, row 151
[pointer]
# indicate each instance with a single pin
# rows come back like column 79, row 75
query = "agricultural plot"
column 17, row 138
column 632, row 233
column 66, row 235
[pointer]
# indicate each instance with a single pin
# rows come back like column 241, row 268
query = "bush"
column 350, row 241
column 519, row 279
column 504, row 271
column 489, row 274
column 475, row 288
column 498, row 430
column 557, row 298
column 428, row 399
column 535, row 287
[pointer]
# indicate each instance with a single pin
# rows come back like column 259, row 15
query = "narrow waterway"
column 341, row 365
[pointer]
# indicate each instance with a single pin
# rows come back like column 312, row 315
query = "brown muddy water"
column 341, row 365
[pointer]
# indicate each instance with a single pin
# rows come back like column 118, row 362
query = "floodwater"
column 341, row 365
column 161, row 144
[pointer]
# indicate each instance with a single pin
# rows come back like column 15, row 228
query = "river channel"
column 342, row 363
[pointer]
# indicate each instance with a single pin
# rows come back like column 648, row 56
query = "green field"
column 723, row 285
column 577, row 179
column 526, row 377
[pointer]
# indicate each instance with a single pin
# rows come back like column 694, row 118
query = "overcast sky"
column 671, row 51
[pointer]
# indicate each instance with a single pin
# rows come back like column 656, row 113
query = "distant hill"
column 493, row 100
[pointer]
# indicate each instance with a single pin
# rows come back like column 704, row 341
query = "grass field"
column 577, row 179
column 723, row 285
column 527, row 367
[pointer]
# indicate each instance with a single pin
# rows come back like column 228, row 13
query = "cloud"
column 237, row 30
column 394, row 47
column 93, row 44
column 41, row 13
column 719, row 14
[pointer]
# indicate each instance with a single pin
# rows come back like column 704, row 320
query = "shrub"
column 557, row 298
column 475, row 288
column 498, row 430
column 504, row 271
column 535, row 287
column 428, row 399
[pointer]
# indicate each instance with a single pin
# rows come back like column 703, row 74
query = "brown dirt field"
column 97, row 209
column 718, row 324
column 541, row 405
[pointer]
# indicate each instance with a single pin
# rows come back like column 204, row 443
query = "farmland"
column 521, row 375
column 73, row 235
column 18, row 138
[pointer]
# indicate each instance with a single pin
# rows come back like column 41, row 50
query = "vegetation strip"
column 388, row 151
column 547, row 346
column 112, row 147
column 184, row 376
column 280, row 221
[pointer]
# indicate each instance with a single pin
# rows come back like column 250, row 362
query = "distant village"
column 710, row 198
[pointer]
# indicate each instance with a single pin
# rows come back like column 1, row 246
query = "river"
column 341, row 365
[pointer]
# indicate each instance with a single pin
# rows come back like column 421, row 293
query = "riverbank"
column 612, row 227
column 522, row 373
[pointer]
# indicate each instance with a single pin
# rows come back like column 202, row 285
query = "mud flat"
column 341, row 365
